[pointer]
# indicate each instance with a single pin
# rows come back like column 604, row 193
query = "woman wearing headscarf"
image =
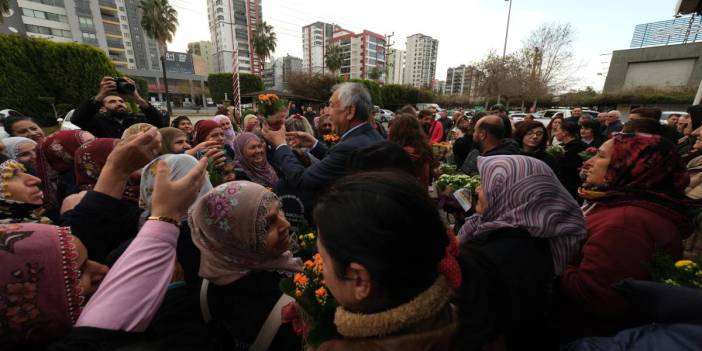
column 244, row 241
column 136, row 128
column 20, row 197
column 45, row 279
column 252, row 124
column 229, row 132
column 173, row 141
column 526, row 230
column 21, row 149
column 89, row 161
column 179, row 166
column 635, row 189
column 251, row 161
column 55, row 164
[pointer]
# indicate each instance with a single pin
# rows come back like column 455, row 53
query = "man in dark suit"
column 349, row 109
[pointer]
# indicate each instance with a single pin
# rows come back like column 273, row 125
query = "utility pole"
column 386, row 47
column 504, row 49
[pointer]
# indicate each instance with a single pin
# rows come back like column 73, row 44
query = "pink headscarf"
column 228, row 225
column 40, row 296
column 229, row 133
column 262, row 172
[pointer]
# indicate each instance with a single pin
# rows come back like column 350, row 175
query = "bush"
column 220, row 83
column 374, row 90
column 31, row 68
column 635, row 96
column 314, row 86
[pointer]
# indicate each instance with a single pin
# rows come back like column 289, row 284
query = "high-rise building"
column 278, row 72
column 420, row 62
column 231, row 25
column 204, row 49
column 361, row 53
column 316, row 38
column 396, row 66
column 462, row 80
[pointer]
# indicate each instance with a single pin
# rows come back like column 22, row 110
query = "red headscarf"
column 54, row 157
column 646, row 171
column 203, row 129
column 89, row 161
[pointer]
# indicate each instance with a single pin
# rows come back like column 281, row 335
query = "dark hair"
column 550, row 124
column 479, row 115
column 423, row 113
column 525, row 127
column 673, row 115
column 648, row 112
column 386, row 222
column 178, row 119
column 407, row 109
column 499, row 107
column 9, row 122
column 695, row 113
column 496, row 130
column 573, row 129
column 643, row 125
column 594, row 125
column 384, row 155
column 406, row 131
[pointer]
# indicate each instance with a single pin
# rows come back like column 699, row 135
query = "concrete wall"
column 659, row 67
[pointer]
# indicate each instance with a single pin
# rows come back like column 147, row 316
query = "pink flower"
column 218, row 207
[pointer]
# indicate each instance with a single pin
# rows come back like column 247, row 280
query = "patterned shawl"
column 12, row 211
column 55, row 157
column 523, row 192
column 179, row 165
column 90, row 159
column 12, row 145
column 262, row 172
column 229, row 227
column 40, row 296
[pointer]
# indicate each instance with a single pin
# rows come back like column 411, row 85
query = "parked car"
column 666, row 114
column 552, row 112
column 517, row 116
column 386, row 115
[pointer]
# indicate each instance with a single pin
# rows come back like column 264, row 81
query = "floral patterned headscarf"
column 40, row 297
column 229, row 226
column 90, row 159
column 54, row 157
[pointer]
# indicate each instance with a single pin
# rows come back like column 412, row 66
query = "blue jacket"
column 333, row 161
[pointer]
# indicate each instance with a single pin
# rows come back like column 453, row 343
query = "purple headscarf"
column 40, row 295
column 229, row 133
column 523, row 192
column 262, row 172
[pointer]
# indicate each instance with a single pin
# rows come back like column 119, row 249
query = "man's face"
column 443, row 114
column 478, row 135
column 426, row 120
column 114, row 103
column 673, row 120
column 577, row 112
column 612, row 117
column 498, row 112
column 341, row 117
column 602, row 117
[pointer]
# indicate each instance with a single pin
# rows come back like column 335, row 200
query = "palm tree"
column 4, row 8
column 160, row 22
column 264, row 42
column 333, row 59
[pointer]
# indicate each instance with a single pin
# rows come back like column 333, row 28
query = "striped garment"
column 523, row 192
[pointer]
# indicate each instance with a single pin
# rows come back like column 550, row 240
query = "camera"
column 123, row 86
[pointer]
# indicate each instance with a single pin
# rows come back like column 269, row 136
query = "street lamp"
column 504, row 49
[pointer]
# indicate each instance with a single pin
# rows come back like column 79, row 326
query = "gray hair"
column 616, row 113
column 355, row 94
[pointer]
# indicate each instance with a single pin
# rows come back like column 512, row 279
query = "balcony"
column 112, row 29
column 108, row 5
column 115, row 44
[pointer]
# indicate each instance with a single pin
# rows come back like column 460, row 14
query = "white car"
column 386, row 115
column 551, row 113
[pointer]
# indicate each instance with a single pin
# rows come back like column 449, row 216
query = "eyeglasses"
column 538, row 133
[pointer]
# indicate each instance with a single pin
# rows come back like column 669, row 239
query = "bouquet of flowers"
column 269, row 104
column 446, row 168
column 686, row 273
column 588, row 153
column 441, row 150
column 305, row 245
column 556, row 151
column 454, row 182
column 312, row 314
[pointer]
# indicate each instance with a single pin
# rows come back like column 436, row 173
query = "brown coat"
column 441, row 339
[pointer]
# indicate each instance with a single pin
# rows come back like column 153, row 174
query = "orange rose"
column 321, row 292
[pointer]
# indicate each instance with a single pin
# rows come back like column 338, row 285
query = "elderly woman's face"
column 596, row 167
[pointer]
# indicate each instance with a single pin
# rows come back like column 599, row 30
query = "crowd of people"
column 139, row 233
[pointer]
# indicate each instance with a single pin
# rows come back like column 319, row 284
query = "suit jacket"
column 332, row 165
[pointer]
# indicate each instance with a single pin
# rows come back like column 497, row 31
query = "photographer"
column 106, row 114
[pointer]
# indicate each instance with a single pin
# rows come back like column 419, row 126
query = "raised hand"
column 173, row 198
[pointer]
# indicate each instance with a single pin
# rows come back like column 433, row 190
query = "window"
column 121, row 8
column 89, row 36
column 125, row 26
column 48, row 31
column 58, row 3
column 126, row 35
column 220, row 10
column 123, row 18
column 220, row 17
column 131, row 60
column 128, row 43
column 218, row 2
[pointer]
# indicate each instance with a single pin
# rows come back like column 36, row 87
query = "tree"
column 160, row 21
column 221, row 83
column 374, row 73
column 264, row 42
column 333, row 58
column 502, row 76
column 4, row 8
column 552, row 52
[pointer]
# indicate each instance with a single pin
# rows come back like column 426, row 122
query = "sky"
column 467, row 30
